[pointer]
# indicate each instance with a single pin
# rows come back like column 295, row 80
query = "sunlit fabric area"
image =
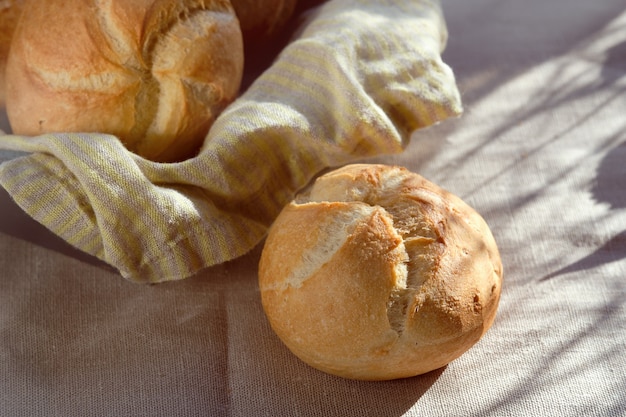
column 539, row 150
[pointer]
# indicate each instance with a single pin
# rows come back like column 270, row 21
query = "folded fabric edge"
column 61, row 206
column 27, row 180
column 171, row 257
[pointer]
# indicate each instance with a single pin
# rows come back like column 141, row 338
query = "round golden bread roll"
column 155, row 73
column 376, row 273
column 10, row 11
column 261, row 20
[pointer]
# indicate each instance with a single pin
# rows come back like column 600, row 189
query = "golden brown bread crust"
column 153, row 72
column 379, row 274
column 10, row 11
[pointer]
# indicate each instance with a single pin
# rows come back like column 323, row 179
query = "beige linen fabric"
column 359, row 77
column 539, row 152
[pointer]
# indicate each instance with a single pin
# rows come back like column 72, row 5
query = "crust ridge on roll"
column 395, row 276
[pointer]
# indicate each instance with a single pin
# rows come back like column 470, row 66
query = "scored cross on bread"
column 377, row 273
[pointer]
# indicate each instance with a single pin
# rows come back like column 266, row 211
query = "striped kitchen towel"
column 358, row 78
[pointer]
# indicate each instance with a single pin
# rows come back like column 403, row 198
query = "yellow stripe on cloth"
column 360, row 77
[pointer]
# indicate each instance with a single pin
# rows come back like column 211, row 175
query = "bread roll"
column 10, row 11
column 155, row 73
column 260, row 20
column 379, row 274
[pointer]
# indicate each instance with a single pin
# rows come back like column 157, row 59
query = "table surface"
column 540, row 152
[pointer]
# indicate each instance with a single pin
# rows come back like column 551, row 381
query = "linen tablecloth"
column 540, row 152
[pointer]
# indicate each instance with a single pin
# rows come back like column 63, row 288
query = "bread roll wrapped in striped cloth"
column 357, row 80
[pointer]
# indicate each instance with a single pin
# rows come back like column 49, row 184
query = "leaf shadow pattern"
column 565, row 353
column 611, row 251
column 609, row 188
column 614, row 66
column 482, row 71
column 610, row 184
column 568, row 86
column 566, row 359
